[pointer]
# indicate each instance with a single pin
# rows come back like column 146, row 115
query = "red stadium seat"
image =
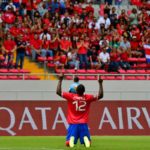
column 24, row 71
column 13, row 78
column 3, row 78
column 50, row 65
column 91, row 71
column 101, row 71
column 141, row 60
column 110, row 77
column 130, row 71
column 103, row 77
column 81, row 71
column 132, row 59
column 72, row 71
column 26, row 77
column 14, row 71
column 91, row 78
column 122, row 71
column 130, row 78
column 41, row 59
column 134, row 66
column 69, row 77
column 148, row 78
column 118, row 77
column 148, row 66
column 82, row 77
column 4, row 71
column 140, row 77
column 142, row 65
column 60, row 71
column 141, row 71
column 50, row 59
column 148, row 71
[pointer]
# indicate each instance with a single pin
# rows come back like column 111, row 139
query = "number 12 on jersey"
column 79, row 105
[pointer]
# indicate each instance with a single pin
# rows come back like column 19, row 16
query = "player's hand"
column 61, row 76
column 100, row 80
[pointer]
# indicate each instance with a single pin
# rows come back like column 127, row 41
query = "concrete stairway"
column 37, row 69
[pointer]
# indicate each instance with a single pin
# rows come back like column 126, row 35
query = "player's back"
column 78, row 107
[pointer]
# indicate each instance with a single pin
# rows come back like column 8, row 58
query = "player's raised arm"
column 100, row 92
column 59, row 90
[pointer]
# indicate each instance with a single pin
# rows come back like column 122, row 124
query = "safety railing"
column 53, row 76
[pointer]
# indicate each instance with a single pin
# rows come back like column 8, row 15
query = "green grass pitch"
column 58, row 143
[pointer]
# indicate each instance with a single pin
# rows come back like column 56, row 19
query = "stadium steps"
column 34, row 67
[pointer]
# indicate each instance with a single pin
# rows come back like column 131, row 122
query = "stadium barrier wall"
column 44, row 118
column 46, row 90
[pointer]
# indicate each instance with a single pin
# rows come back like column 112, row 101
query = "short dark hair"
column 76, row 79
column 80, row 89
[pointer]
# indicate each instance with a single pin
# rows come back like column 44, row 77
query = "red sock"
column 67, row 143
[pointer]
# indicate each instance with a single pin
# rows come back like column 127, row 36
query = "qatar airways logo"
column 28, row 117
column 131, row 119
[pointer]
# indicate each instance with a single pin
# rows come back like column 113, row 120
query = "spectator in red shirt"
column 54, row 43
column 45, row 51
column 114, row 60
column 135, row 47
column 14, row 30
column 9, row 47
column 89, row 8
column 143, row 16
column 124, row 64
column 60, row 60
column 65, row 43
column 36, row 45
column 82, row 47
column 8, row 17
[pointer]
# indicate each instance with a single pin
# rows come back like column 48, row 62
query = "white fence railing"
column 47, row 76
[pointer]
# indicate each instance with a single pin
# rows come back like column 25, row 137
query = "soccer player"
column 78, row 112
column 73, row 86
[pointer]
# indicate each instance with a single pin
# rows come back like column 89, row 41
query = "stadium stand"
column 72, row 38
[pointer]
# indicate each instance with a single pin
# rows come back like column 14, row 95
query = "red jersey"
column 45, row 44
column 63, row 59
column 78, row 107
column 8, row 17
column 134, row 45
column 53, row 45
column 14, row 31
column 124, row 56
column 9, row 45
column 65, row 44
column 114, row 57
column 36, row 44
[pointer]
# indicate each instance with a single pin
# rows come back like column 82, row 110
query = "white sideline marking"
column 29, row 148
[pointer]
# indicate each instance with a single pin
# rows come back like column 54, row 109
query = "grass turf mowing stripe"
column 28, row 148
column 58, row 143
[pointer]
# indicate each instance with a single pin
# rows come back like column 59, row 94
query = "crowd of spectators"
column 69, row 32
